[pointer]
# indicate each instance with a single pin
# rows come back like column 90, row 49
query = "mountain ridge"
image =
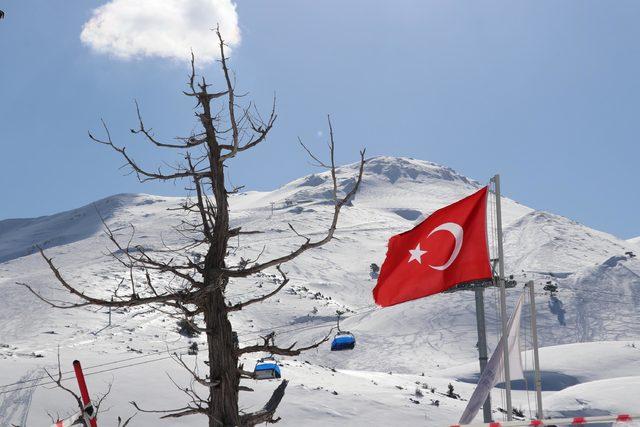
column 598, row 285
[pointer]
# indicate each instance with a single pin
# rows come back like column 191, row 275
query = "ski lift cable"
column 86, row 375
column 577, row 294
column 158, row 352
column 279, row 329
column 87, row 368
column 591, row 290
column 134, row 364
column 595, row 299
column 92, row 373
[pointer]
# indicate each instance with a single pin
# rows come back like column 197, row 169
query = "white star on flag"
column 416, row 254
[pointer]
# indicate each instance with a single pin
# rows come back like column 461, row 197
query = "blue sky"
column 545, row 92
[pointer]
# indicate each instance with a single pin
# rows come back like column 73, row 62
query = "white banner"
column 494, row 371
column 515, row 363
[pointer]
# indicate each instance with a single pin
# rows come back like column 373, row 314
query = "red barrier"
column 575, row 421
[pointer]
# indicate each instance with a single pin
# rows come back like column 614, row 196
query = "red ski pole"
column 84, row 392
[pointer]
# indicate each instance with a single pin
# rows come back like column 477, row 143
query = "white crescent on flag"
column 458, row 234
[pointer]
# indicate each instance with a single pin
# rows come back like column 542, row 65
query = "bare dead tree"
column 198, row 271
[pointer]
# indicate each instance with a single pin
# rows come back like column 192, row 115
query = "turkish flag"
column 446, row 249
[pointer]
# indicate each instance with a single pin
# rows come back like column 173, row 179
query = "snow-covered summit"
column 383, row 177
column 393, row 169
column 405, row 168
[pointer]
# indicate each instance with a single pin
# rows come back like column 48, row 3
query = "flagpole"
column 84, row 393
column 482, row 348
column 503, row 297
column 536, row 359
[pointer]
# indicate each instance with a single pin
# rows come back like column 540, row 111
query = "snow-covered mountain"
column 597, row 298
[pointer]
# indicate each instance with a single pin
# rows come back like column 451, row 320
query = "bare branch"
column 208, row 384
column 319, row 162
column 183, row 297
column 265, row 415
column 231, row 107
column 143, row 175
column 126, row 423
column 103, row 397
column 260, row 130
column 190, row 142
column 172, row 413
column 50, row 302
column 268, row 347
column 58, row 382
column 307, row 244
column 242, row 305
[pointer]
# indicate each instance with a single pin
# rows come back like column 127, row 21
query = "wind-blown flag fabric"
column 447, row 248
column 494, row 371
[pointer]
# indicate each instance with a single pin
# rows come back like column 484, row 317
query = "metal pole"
column 536, row 359
column 482, row 347
column 110, row 312
column 503, row 299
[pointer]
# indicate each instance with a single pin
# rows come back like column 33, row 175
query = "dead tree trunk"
column 200, row 297
column 223, row 363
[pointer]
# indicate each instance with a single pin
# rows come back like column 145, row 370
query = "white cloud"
column 162, row 28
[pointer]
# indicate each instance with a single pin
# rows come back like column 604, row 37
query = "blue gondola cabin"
column 267, row 369
column 343, row 341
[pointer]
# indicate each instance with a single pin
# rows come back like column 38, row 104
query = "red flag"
column 446, row 249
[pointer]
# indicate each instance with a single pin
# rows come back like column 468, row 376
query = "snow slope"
column 18, row 236
column 602, row 397
column 598, row 291
column 544, row 242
